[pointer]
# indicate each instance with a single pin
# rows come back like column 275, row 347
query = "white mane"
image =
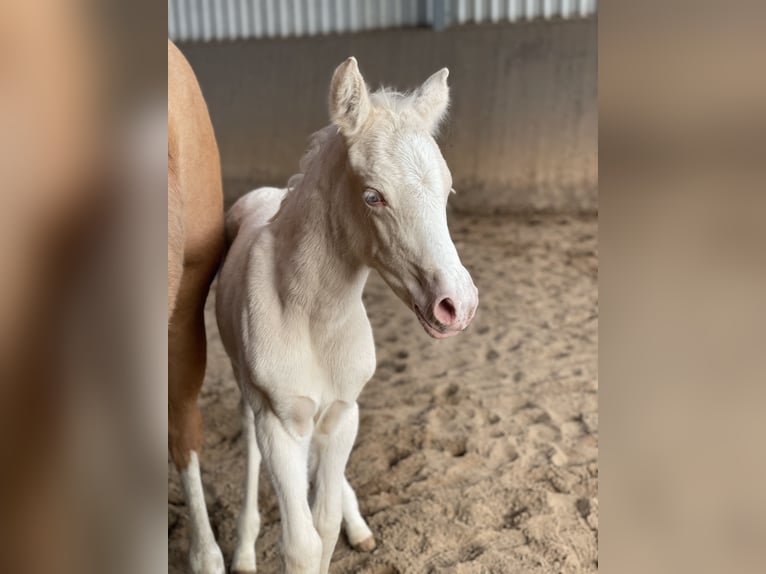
column 316, row 143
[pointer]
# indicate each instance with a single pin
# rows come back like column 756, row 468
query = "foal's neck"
column 317, row 269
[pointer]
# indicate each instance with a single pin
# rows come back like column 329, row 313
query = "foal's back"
column 253, row 210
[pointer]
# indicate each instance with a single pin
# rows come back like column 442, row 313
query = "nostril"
column 445, row 312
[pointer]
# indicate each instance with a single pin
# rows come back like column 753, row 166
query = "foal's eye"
column 373, row 197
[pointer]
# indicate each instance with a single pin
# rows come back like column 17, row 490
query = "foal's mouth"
column 437, row 332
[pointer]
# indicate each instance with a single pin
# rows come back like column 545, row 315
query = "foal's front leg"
column 284, row 446
column 333, row 441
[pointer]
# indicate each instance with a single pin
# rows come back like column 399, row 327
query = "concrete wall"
column 522, row 133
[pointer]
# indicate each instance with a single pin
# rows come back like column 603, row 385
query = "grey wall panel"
column 522, row 132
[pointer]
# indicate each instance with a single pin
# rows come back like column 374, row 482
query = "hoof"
column 243, row 572
column 366, row 545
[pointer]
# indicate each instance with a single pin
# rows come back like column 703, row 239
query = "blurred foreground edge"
column 82, row 335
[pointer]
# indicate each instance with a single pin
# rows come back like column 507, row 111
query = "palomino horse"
column 195, row 247
column 372, row 194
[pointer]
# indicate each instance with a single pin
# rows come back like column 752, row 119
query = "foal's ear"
column 432, row 99
column 349, row 100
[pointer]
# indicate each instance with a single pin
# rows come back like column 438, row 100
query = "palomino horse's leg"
column 333, row 442
column 285, row 449
column 249, row 520
column 186, row 369
column 358, row 533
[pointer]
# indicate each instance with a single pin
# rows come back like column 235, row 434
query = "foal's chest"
column 345, row 358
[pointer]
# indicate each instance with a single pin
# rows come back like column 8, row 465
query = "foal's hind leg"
column 186, row 370
column 358, row 533
column 249, row 520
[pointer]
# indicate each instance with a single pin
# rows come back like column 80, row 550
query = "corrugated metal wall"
column 206, row 20
column 462, row 11
column 522, row 132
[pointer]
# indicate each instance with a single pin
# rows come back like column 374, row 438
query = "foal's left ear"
column 349, row 100
column 432, row 99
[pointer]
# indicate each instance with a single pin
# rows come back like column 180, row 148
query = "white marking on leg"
column 358, row 533
column 286, row 457
column 249, row 523
column 204, row 555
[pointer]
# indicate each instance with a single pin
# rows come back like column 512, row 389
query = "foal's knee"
column 300, row 415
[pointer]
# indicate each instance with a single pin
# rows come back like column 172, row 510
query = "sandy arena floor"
column 476, row 454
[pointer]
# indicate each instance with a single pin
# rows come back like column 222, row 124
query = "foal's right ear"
column 349, row 100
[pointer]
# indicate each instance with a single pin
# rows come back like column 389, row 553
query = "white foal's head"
column 399, row 190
